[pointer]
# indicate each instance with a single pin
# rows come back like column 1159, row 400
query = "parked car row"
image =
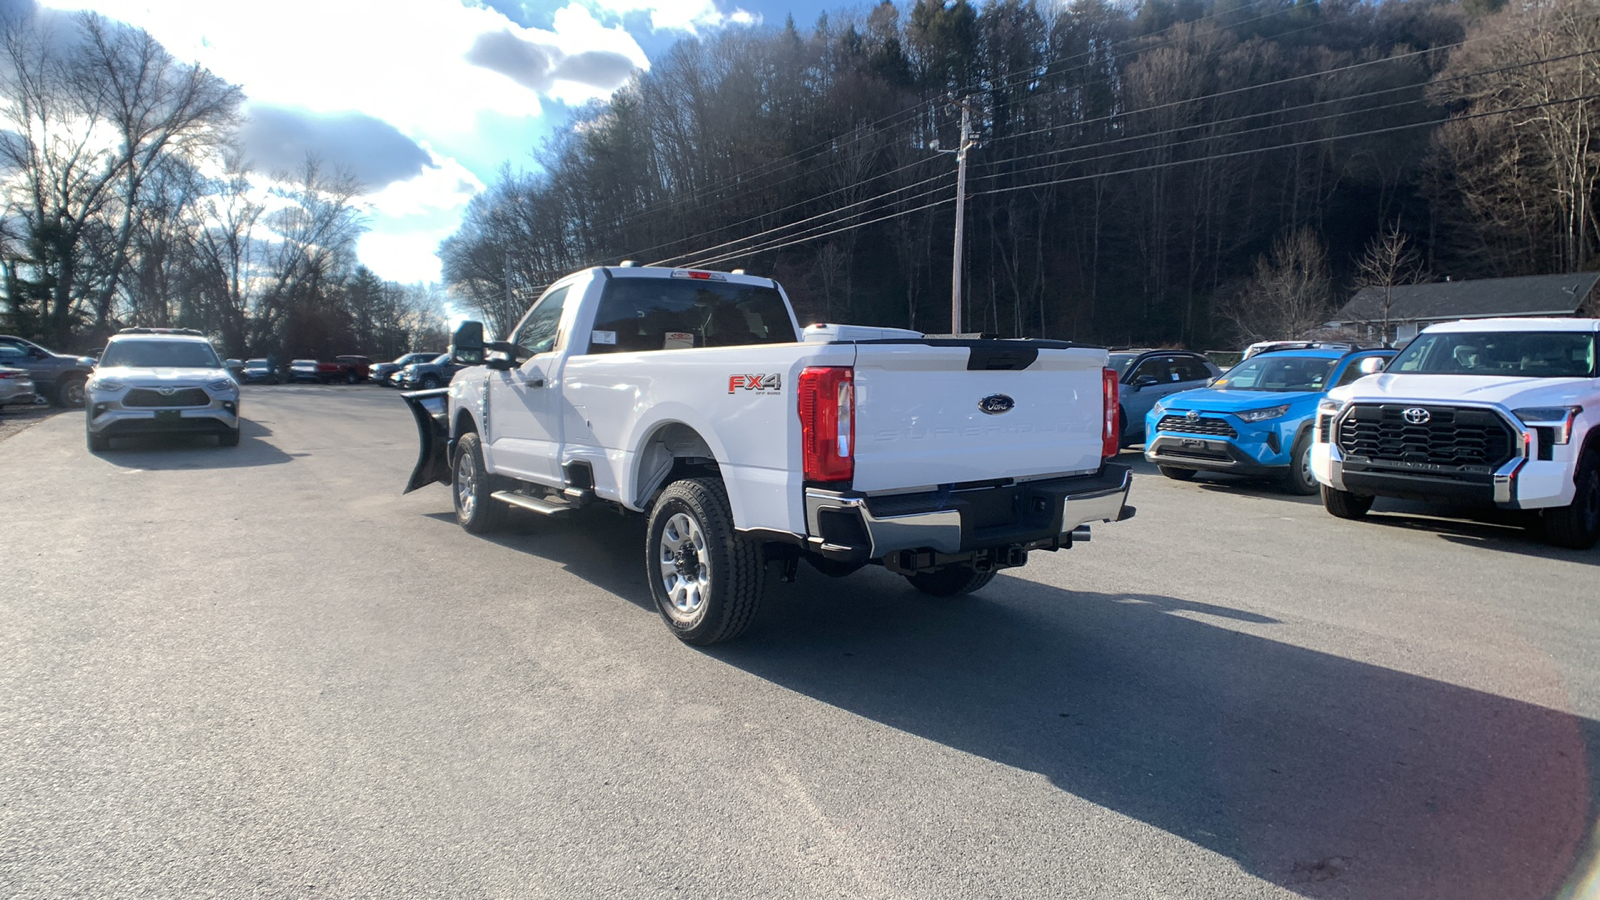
column 428, row 374
column 57, row 377
column 1492, row 413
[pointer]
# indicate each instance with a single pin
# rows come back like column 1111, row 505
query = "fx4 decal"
column 761, row 384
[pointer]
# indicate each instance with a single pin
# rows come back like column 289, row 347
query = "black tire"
column 69, row 392
column 98, row 443
column 1177, row 474
column 428, row 383
column 951, row 581
column 706, row 579
column 471, row 486
column 1298, row 480
column 1122, row 427
column 1577, row 525
column 351, row 377
column 1344, row 504
column 228, row 438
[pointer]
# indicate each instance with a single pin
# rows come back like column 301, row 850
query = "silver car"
column 16, row 387
column 161, row 380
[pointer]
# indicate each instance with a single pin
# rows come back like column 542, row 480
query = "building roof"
column 1532, row 295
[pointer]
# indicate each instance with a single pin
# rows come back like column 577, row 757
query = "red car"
column 348, row 369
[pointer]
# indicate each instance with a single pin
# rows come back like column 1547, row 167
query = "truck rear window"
column 668, row 314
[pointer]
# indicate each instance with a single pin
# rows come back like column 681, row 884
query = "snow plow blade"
column 431, row 409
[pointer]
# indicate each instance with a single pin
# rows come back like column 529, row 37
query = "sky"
column 423, row 100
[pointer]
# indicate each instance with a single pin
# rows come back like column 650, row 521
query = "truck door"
column 523, row 414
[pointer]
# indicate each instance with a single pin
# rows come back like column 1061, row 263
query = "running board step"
column 536, row 504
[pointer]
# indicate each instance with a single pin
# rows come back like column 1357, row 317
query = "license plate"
column 1191, row 442
column 168, row 415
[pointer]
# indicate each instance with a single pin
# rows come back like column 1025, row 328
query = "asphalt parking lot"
column 262, row 671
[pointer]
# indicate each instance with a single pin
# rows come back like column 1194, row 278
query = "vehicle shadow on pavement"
column 1326, row 776
column 596, row 544
column 194, row 451
column 1507, row 531
column 1261, row 488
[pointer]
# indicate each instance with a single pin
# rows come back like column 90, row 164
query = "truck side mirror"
column 1372, row 365
column 466, row 346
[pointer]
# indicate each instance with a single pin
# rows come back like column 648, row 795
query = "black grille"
column 146, row 397
column 1186, row 425
column 1462, row 439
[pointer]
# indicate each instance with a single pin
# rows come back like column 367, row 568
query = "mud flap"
column 431, row 409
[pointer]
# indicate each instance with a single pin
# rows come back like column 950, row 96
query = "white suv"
column 160, row 380
column 1495, row 412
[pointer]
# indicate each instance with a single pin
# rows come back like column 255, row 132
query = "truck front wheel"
column 951, row 581
column 706, row 579
column 1578, row 525
column 471, row 485
column 1344, row 504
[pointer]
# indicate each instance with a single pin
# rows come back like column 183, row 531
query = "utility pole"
column 965, row 142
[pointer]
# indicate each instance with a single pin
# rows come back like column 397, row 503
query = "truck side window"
column 664, row 314
column 538, row 331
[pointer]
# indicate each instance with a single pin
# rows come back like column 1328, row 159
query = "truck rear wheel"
column 706, row 579
column 951, row 581
column 1344, row 504
column 471, row 484
column 1578, row 525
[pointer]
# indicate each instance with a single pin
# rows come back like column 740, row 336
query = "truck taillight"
column 1111, row 434
column 828, row 422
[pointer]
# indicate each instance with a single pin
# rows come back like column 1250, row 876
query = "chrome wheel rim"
column 466, row 485
column 685, row 571
column 1305, row 467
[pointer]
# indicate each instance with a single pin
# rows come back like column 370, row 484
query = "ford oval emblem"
column 1416, row 415
column 995, row 404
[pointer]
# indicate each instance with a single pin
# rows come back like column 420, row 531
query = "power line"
column 1248, row 116
column 1322, row 140
column 918, row 108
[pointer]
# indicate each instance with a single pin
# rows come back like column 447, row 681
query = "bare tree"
column 92, row 114
column 1389, row 261
column 1290, row 296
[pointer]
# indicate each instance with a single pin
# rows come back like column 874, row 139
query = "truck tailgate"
column 924, row 418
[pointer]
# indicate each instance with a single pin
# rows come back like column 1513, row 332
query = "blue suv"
column 1255, row 419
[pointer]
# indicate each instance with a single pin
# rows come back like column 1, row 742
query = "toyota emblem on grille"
column 1416, row 415
column 1192, row 415
column 995, row 404
column 166, row 392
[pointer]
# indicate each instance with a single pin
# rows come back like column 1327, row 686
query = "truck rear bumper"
column 850, row 526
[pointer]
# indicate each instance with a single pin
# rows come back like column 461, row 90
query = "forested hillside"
column 1188, row 172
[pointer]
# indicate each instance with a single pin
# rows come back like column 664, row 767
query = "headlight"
column 1160, row 407
column 1261, row 415
column 1557, row 418
column 1325, row 405
column 223, row 385
column 105, row 384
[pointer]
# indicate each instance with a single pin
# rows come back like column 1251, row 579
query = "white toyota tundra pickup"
column 1492, row 412
column 694, row 398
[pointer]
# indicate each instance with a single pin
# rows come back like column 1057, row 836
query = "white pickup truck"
column 1493, row 412
column 692, row 397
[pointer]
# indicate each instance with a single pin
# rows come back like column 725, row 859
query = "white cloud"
column 402, row 61
column 681, row 15
column 406, row 256
column 447, row 185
